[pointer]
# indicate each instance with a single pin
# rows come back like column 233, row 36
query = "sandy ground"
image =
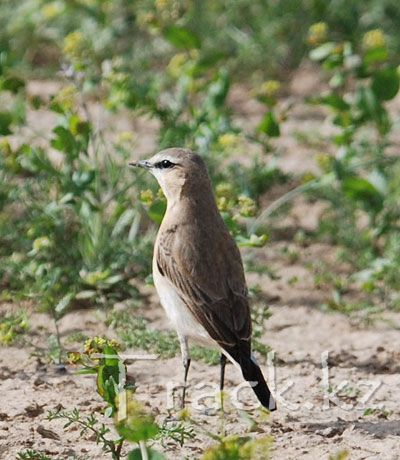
column 310, row 423
column 327, row 368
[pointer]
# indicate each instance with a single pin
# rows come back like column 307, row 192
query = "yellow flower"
column 41, row 243
column 222, row 204
column 67, row 97
column 374, row 39
column 147, row 197
column 126, row 136
column 317, row 33
column 324, row 161
column 194, row 54
column 228, row 140
column 146, row 18
column 97, row 345
column 91, row 3
column 163, row 4
column 240, row 448
column 247, row 206
column 75, row 46
column 308, row 177
column 184, row 414
column 160, row 194
column 269, row 88
column 74, row 357
column 225, row 190
column 5, row 147
column 53, row 9
column 176, row 64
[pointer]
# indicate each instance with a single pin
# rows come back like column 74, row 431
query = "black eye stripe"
column 164, row 164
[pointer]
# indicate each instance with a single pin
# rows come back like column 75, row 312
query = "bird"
column 198, row 271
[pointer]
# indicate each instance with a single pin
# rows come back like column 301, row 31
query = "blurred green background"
column 86, row 85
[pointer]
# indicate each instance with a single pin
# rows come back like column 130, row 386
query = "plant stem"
column 143, row 450
column 118, row 450
column 58, row 338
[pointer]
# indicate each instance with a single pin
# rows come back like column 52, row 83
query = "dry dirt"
column 308, row 424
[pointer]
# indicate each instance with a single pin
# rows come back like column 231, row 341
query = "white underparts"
column 180, row 316
column 178, row 313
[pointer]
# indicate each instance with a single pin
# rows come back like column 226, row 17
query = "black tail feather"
column 241, row 353
column 252, row 373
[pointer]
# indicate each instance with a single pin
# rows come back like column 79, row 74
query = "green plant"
column 77, row 229
column 239, row 448
column 135, row 332
column 30, row 454
column 339, row 455
column 360, row 179
column 379, row 412
column 132, row 422
column 12, row 326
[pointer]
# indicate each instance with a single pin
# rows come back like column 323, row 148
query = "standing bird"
column 198, row 271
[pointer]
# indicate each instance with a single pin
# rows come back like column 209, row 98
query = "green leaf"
column 360, row 189
column 151, row 455
column 138, row 428
column 83, row 178
column 13, row 84
column 64, row 141
column 106, row 384
column 269, row 125
column 86, row 371
column 112, row 361
column 63, row 304
column 209, row 61
column 332, row 100
column 254, row 241
column 385, row 84
column 218, row 90
column 123, row 221
column 376, row 55
column 85, row 294
column 379, row 181
column 322, row 52
column 182, row 37
column 79, row 126
column 372, row 109
column 5, row 122
column 156, row 211
column 232, row 225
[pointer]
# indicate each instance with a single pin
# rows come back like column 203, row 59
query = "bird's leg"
column 186, row 364
column 222, row 378
column 221, row 387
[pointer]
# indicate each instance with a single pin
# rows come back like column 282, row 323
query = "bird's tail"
column 252, row 374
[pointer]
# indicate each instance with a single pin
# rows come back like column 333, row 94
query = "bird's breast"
column 178, row 313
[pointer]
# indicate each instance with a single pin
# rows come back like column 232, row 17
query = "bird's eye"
column 164, row 164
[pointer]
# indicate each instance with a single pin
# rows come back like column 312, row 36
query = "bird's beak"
column 141, row 164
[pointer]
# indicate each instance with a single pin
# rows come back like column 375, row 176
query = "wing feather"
column 208, row 274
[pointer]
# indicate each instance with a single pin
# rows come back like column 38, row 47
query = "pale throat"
column 172, row 188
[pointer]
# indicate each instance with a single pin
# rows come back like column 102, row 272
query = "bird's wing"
column 208, row 274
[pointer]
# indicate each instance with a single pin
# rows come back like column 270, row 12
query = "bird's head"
column 178, row 171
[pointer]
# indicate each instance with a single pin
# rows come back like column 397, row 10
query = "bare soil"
column 308, row 424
